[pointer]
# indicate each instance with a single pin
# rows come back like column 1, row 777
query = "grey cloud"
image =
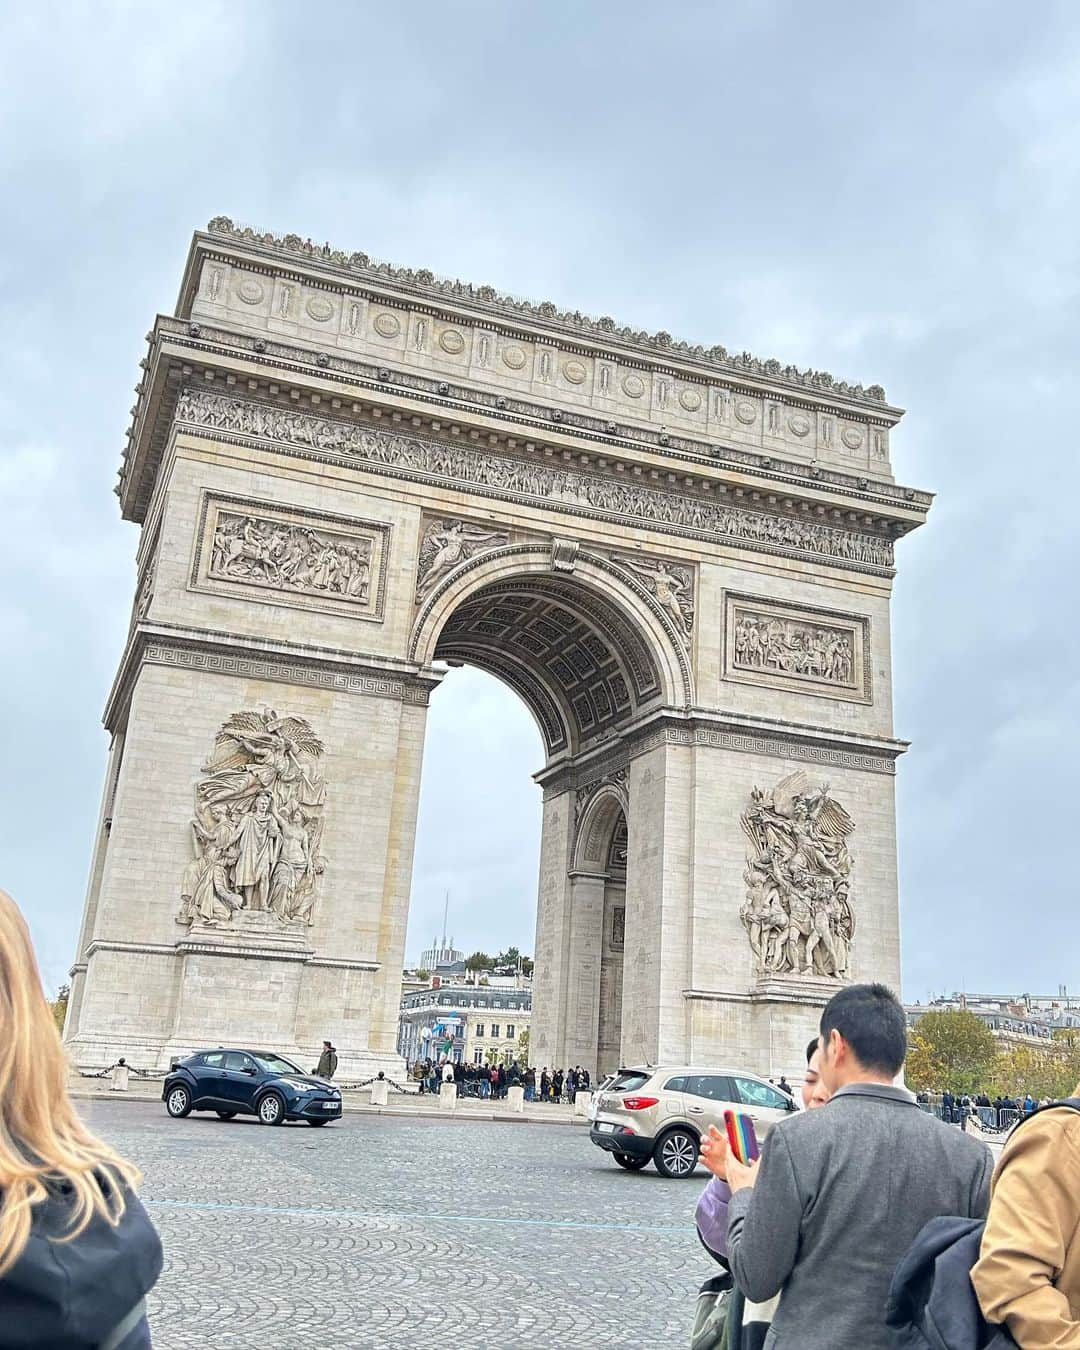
column 889, row 193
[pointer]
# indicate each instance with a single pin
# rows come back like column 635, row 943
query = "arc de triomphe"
column 349, row 476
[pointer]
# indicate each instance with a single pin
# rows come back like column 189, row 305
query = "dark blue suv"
column 249, row 1082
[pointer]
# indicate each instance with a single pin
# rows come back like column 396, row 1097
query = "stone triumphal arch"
column 348, row 477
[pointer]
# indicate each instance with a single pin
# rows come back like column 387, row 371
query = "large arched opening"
column 591, row 656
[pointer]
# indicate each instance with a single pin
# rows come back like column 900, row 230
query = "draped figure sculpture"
column 258, row 825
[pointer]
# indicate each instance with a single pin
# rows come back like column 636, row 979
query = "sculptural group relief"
column 257, row 830
column 798, row 914
column 797, row 647
column 296, row 557
column 602, row 496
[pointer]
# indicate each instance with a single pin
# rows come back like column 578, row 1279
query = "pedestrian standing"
column 327, row 1065
column 78, row 1254
column 545, row 1084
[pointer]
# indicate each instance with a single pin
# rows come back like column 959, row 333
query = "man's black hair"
column 811, row 1048
column 871, row 1020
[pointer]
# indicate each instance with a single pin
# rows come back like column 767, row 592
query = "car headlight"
column 297, row 1086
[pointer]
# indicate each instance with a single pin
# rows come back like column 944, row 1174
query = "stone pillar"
column 581, row 1103
column 119, row 1078
column 551, row 953
column 515, row 1100
column 659, row 885
column 447, row 1096
column 380, row 1091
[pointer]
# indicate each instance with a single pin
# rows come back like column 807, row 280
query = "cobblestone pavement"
column 399, row 1233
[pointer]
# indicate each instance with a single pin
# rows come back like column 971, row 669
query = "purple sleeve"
column 712, row 1216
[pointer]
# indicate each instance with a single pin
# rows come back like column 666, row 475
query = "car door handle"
column 695, row 1110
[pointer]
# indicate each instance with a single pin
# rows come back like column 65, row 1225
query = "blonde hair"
column 42, row 1140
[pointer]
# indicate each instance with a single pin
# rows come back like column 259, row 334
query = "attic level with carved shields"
column 348, row 478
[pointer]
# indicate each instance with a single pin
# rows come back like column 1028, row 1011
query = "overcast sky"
column 887, row 192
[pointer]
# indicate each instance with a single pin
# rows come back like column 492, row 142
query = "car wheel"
column 318, row 1122
column 225, row 1115
column 178, row 1101
column 631, row 1163
column 271, row 1110
column 676, row 1154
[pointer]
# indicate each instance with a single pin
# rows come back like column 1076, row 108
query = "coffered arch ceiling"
column 575, row 658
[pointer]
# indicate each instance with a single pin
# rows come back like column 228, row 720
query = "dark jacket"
column 73, row 1295
column 327, row 1065
column 932, row 1304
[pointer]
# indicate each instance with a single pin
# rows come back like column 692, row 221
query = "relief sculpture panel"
column 795, row 647
column 298, row 558
column 257, row 830
column 798, row 913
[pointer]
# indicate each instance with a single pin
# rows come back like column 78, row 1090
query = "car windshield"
column 276, row 1064
column 629, row 1080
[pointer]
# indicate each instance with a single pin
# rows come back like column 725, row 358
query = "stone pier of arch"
column 346, row 476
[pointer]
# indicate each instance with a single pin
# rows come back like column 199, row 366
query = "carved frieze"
column 445, row 544
column 798, row 913
column 797, row 647
column 287, row 556
column 257, row 830
column 600, row 496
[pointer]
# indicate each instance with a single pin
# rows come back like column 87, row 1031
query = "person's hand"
column 739, row 1176
column 717, row 1156
column 715, row 1153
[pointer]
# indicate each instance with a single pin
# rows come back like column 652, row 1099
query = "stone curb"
column 359, row 1109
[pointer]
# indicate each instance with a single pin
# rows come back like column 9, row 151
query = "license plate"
column 329, row 1106
column 606, row 1129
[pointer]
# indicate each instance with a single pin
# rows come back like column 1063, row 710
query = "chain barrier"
column 147, row 1074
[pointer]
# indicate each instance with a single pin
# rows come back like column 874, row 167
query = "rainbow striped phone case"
column 742, row 1137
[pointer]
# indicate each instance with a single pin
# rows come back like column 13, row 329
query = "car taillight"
column 639, row 1103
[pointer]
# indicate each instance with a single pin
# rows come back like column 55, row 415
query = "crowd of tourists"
column 494, row 1081
column 865, row 1224
column 997, row 1113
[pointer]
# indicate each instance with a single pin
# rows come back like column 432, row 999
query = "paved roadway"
column 398, row 1233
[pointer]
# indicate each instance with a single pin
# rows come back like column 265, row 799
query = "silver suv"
column 660, row 1115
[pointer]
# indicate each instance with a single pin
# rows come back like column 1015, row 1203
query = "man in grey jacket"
column 840, row 1193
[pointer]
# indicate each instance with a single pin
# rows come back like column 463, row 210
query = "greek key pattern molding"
column 592, row 495
column 316, row 673
column 778, row 746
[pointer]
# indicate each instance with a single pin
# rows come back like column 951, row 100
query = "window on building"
column 509, row 1031
column 495, row 1031
column 478, row 1056
column 480, row 1030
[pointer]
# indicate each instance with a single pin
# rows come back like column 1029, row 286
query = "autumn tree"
column 59, row 1006
column 953, row 1051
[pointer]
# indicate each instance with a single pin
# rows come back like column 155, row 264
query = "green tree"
column 523, row 1046
column 954, row 1050
column 478, row 961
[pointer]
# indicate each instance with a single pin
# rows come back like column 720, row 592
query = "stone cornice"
column 718, row 730
column 211, row 345
column 263, row 659
column 534, row 481
column 420, row 284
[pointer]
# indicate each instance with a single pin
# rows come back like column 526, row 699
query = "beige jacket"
column 1028, row 1272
